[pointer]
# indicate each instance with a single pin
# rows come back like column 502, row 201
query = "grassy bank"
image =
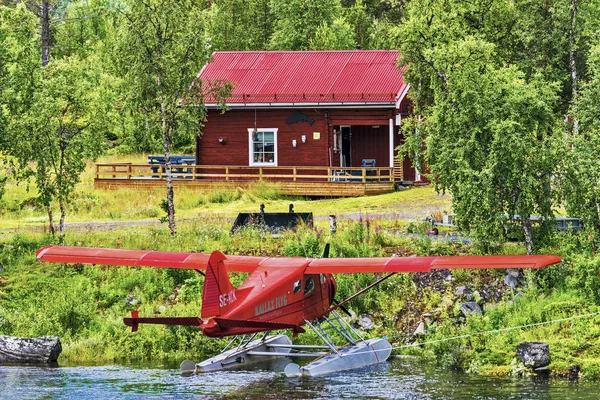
column 19, row 208
column 84, row 305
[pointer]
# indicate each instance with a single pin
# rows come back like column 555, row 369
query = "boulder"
column 420, row 329
column 45, row 349
column 512, row 278
column 469, row 308
column 534, row 354
column 365, row 323
column 131, row 300
column 573, row 372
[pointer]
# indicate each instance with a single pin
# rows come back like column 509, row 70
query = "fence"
column 244, row 173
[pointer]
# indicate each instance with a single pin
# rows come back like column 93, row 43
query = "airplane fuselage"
column 275, row 294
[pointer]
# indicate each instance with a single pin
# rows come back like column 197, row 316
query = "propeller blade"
column 326, row 251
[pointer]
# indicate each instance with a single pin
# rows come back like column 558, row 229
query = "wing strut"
column 377, row 282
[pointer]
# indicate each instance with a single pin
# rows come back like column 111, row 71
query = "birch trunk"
column 45, row 32
column 573, row 65
column 50, row 219
column 61, row 223
column 167, row 136
column 528, row 232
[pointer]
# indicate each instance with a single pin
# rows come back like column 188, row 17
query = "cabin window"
column 263, row 146
column 309, row 285
column 297, row 286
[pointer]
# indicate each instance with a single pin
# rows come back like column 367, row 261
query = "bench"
column 175, row 160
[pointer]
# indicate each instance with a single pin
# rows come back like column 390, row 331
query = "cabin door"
column 345, row 154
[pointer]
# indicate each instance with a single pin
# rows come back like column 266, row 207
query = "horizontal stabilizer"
column 182, row 321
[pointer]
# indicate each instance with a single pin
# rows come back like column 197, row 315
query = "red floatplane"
column 279, row 294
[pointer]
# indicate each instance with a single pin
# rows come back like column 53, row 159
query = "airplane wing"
column 146, row 258
column 425, row 264
column 165, row 259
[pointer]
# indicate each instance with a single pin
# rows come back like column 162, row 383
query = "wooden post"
column 129, row 171
column 295, row 174
column 160, row 172
column 260, row 176
column 378, row 175
column 328, row 174
column 114, row 169
column 97, row 171
column 364, row 175
column 226, row 173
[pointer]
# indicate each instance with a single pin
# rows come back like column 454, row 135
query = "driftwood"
column 29, row 350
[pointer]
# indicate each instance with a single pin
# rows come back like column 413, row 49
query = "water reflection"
column 397, row 379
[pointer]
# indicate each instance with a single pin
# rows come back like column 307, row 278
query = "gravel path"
column 410, row 214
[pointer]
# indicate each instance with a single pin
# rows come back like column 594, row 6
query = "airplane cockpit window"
column 309, row 285
column 297, row 286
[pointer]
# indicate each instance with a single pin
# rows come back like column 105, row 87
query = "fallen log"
column 45, row 349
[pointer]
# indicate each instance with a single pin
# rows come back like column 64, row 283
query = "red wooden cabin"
column 321, row 123
column 305, row 109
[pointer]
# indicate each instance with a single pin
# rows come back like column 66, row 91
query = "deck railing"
column 245, row 173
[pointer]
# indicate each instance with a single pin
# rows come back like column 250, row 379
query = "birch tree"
column 489, row 129
column 62, row 130
column 161, row 50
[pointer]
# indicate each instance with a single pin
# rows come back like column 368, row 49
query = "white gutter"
column 305, row 105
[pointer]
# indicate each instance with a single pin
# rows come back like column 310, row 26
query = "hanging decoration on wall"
column 299, row 117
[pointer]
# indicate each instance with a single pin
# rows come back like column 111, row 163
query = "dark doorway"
column 346, row 160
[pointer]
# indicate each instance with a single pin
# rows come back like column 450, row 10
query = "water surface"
column 396, row 379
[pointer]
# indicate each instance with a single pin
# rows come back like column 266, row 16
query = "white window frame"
column 251, row 148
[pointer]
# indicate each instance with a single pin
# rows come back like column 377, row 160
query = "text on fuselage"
column 270, row 305
column 227, row 298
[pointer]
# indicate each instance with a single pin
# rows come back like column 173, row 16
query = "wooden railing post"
column 295, row 172
column 329, row 174
column 378, row 175
column 226, row 173
column 114, row 169
column 260, row 174
column 364, row 175
column 129, row 171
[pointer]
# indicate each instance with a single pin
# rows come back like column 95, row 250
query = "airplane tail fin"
column 218, row 294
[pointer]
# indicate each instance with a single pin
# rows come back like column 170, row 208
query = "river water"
column 396, row 379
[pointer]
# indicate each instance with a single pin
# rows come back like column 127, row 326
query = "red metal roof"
column 265, row 78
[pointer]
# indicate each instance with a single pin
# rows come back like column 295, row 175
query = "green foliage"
column 489, row 131
column 337, row 36
column 297, row 21
column 238, row 24
column 580, row 172
column 305, row 242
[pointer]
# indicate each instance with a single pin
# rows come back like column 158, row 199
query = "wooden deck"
column 295, row 181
